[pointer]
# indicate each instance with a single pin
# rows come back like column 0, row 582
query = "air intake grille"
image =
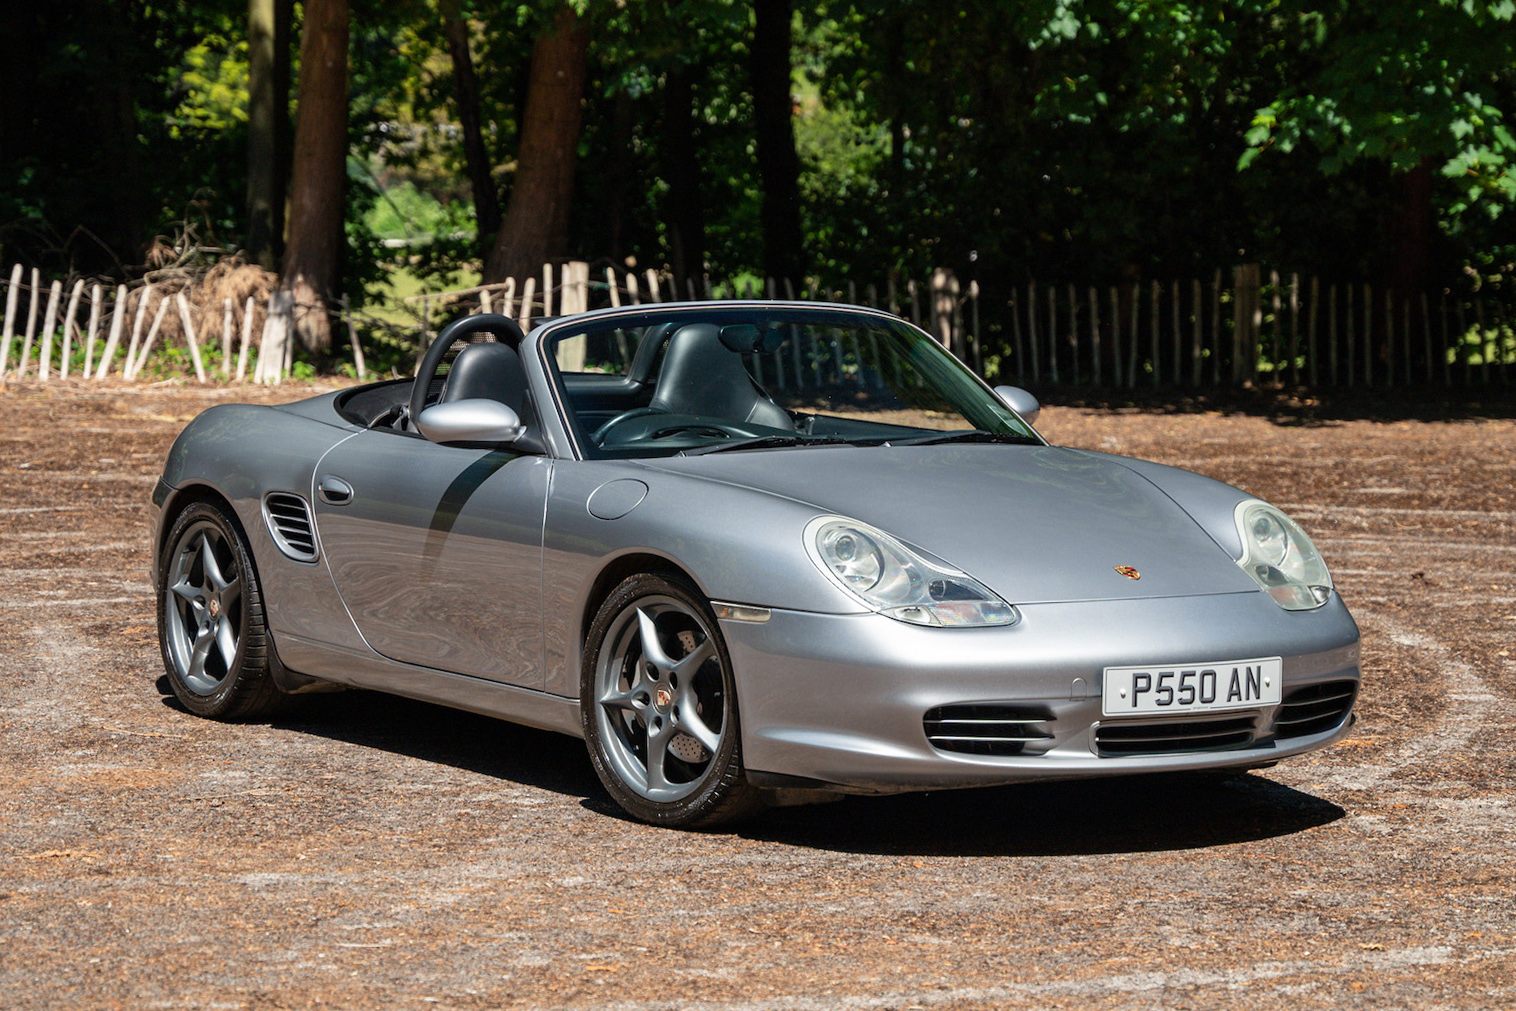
column 1315, row 708
column 1164, row 738
column 289, row 521
column 983, row 728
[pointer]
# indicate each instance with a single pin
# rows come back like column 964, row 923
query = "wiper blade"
column 977, row 435
column 766, row 442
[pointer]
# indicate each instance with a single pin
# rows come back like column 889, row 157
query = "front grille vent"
column 1315, row 708
column 1169, row 738
column 986, row 728
column 289, row 521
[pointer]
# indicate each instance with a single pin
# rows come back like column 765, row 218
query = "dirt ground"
column 370, row 852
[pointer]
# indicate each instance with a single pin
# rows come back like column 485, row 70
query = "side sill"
column 365, row 669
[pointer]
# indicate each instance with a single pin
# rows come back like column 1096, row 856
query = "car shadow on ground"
column 1137, row 814
column 433, row 733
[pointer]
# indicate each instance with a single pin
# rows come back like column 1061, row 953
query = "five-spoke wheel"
column 210, row 618
column 659, row 706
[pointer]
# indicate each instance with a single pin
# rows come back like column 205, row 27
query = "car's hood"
column 1034, row 523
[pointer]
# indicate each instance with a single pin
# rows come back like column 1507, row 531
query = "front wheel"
column 210, row 619
column 659, row 707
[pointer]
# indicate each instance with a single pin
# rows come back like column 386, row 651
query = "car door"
column 437, row 552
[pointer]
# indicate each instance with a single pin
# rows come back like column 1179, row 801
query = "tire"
column 659, row 707
column 210, row 619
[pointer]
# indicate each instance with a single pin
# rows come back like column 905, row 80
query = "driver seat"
column 487, row 371
column 701, row 376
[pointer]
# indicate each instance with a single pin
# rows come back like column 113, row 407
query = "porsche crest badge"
column 1128, row 572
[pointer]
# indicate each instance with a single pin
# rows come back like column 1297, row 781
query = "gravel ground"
column 370, row 852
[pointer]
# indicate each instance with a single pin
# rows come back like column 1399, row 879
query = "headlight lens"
column 890, row 578
column 1281, row 558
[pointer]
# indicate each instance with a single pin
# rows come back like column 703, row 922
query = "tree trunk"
column 778, row 165
column 535, row 229
column 681, row 170
column 267, row 127
column 466, row 94
column 1411, row 229
column 313, row 254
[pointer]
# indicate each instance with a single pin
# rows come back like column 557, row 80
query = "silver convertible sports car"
column 751, row 552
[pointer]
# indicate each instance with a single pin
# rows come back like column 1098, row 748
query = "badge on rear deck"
column 1128, row 572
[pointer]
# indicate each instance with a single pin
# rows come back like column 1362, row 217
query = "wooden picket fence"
column 1249, row 328
column 942, row 305
column 1258, row 330
column 118, row 332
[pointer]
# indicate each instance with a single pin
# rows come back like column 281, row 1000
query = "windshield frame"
column 545, row 340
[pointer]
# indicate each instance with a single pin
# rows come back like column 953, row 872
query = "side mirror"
column 470, row 421
column 1020, row 401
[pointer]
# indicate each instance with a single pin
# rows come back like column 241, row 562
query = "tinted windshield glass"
column 670, row 382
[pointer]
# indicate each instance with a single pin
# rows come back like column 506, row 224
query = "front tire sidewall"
column 724, row 794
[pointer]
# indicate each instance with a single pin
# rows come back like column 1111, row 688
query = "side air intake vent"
column 289, row 521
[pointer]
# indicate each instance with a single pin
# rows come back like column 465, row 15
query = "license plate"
column 1192, row 688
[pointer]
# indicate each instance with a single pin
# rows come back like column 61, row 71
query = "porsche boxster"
column 750, row 552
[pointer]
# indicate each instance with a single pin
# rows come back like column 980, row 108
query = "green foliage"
column 1103, row 140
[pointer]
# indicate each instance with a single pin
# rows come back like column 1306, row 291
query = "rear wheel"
column 660, row 709
column 210, row 619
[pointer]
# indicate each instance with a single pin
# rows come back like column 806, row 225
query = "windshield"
column 705, row 379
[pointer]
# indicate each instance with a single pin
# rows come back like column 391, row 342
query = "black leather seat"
column 487, row 371
column 701, row 376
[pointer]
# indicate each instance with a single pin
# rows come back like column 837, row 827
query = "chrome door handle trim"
column 334, row 491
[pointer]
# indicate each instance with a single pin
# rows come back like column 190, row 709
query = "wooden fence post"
column 1368, row 335
column 152, row 335
column 1311, row 329
column 1294, row 329
column 1053, row 332
column 528, row 290
column 44, row 361
column 227, row 315
column 11, row 296
column 65, row 356
column 136, row 341
column 1095, row 332
column 118, row 324
column 1136, row 335
column 247, row 338
column 1031, row 323
column 941, row 305
column 1116, row 335
column 359, row 365
column 1216, row 327
column 92, row 332
column 31, row 322
column 1196, row 337
column 1157, row 348
column 1073, row 334
column 974, row 328
column 1352, row 344
column 189, row 336
column 1247, row 315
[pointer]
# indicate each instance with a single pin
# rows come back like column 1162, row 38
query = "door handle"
column 334, row 491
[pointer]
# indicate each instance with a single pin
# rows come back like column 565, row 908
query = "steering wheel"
column 598, row 437
column 501, row 326
column 643, row 423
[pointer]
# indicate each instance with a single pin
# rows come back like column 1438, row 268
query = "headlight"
column 1281, row 558
column 890, row 578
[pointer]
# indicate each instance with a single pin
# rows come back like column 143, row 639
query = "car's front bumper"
column 840, row 699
